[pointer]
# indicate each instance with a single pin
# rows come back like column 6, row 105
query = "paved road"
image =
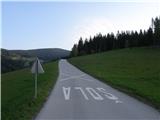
column 79, row 96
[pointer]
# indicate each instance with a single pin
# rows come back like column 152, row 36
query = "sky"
column 52, row 24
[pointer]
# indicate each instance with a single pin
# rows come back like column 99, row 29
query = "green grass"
column 135, row 71
column 18, row 101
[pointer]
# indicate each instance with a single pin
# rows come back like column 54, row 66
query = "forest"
column 123, row 39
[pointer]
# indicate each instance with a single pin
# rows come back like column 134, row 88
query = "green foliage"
column 18, row 101
column 135, row 70
column 80, row 47
column 74, row 51
column 156, row 25
column 9, row 64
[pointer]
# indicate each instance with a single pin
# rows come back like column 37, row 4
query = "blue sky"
column 31, row 25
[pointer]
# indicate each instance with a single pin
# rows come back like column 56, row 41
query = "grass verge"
column 135, row 71
column 18, row 101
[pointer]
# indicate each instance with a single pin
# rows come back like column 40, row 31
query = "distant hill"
column 16, row 59
column 44, row 54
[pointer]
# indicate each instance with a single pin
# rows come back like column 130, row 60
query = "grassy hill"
column 135, row 71
column 45, row 54
column 18, row 101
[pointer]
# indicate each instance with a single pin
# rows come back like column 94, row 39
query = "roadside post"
column 36, row 69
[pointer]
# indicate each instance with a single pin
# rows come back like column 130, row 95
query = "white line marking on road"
column 79, row 88
column 117, row 101
column 94, row 94
column 65, row 74
column 66, row 91
column 109, row 95
column 72, row 77
column 86, row 79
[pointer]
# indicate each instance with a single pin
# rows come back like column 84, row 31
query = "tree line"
column 124, row 39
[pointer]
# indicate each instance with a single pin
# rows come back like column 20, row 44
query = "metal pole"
column 36, row 74
column 35, row 96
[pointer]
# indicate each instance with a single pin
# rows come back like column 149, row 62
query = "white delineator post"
column 36, row 68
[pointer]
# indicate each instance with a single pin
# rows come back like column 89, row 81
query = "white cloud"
column 91, row 26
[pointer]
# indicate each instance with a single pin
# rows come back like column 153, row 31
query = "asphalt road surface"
column 78, row 96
